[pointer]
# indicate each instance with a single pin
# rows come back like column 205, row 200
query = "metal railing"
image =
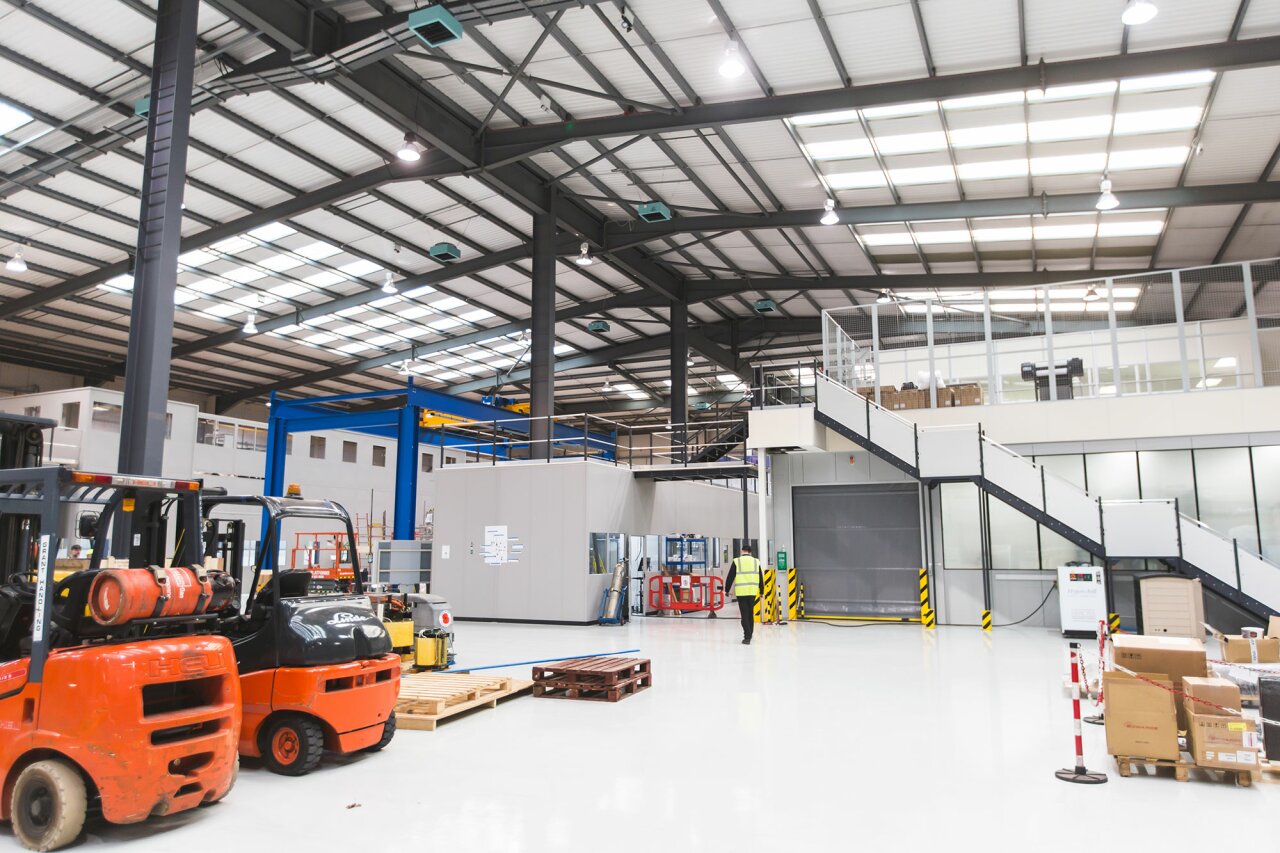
column 1185, row 330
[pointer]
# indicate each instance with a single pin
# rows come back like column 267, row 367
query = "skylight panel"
column 445, row 323
column 931, row 238
column 322, row 338
column 1075, row 92
column 476, row 368
column 447, row 304
column 998, row 99
column 912, row 143
column 257, row 300
column 286, row 330
column 813, row 119
column 448, row 374
column 856, row 180
column 637, row 395
column 1075, row 231
column 416, row 332
column 1002, row 235
column 564, row 349
column 502, row 362
column 359, row 268
column 982, row 137
column 513, row 346
column 197, row 258
column 1180, row 80
column 922, row 175
column 354, row 347
column 280, row 263
column 1149, row 158
column 993, row 169
column 274, row 231
column 1069, row 164
column 887, row 238
column 1080, row 127
column 208, row 286
column 419, row 291
column 477, row 315
column 11, row 118
column 894, row 110
column 232, row 245
column 414, row 312
column 182, row 296
column 118, row 284
column 243, row 275
column 1158, row 121
column 1141, row 228
column 317, row 251
column 221, row 311
column 840, row 149
column 381, row 321
column 289, row 289
column 349, row 330
column 324, row 279
column 383, row 340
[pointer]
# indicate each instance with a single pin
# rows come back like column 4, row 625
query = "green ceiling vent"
column 142, row 107
column 598, row 326
column 435, row 26
column 766, row 306
column 444, row 252
column 654, row 211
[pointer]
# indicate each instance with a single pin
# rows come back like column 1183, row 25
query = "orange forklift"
column 114, row 694
column 316, row 668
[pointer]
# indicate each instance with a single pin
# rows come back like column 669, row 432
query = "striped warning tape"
column 801, row 601
column 793, row 594
column 1113, row 623
column 986, row 620
column 928, row 618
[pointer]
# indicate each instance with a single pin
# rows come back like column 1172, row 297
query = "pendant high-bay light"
column 388, row 285
column 1137, row 12
column 250, row 324
column 17, row 263
column 584, row 256
column 731, row 65
column 410, row 151
column 884, row 298
column 829, row 216
column 1092, row 294
column 608, row 388
column 1107, row 199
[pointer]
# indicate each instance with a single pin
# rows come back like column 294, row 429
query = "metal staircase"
column 1110, row 530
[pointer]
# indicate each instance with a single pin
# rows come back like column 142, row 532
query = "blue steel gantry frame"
column 399, row 421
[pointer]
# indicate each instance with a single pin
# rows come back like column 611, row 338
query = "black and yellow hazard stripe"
column 793, row 594
column 986, row 620
column 1113, row 623
column 801, row 601
column 924, row 590
column 928, row 618
column 770, row 596
column 758, row 613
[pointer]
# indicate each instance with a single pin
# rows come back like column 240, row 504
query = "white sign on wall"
column 495, row 544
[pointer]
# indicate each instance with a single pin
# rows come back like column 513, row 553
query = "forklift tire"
column 49, row 805
column 388, row 732
column 292, row 745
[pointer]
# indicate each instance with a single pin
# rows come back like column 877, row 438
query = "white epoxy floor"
column 813, row 737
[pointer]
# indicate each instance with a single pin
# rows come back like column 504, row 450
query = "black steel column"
column 155, row 271
column 679, row 379
column 542, row 385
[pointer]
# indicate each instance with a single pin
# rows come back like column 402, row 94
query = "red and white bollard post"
column 1079, row 773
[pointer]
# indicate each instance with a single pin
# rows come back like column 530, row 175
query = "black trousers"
column 747, row 608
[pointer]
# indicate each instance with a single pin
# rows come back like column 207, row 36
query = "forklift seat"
column 294, row 583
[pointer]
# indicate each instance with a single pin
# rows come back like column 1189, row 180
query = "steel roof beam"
column 702, row 290
column 1220, row 56
column 633, row 233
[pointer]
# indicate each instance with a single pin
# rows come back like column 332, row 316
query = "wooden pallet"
column 426, row 698
column 1181, row 769
column 593, row 692
column 592, row 672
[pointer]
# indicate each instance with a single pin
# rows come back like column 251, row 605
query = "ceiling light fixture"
column 607, row 389
column 584, row 256
column 829, row 216
column 731, row 66
column 625, row 23
column 404, row 368
column 389, row 286
column 884, row 298
column 1092, row 294
column 1137, row 12
column 250, row 327
column 16, row 263
column 411, row 150
column 1107, row 199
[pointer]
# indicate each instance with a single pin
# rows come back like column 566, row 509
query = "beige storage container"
column 1172, row 606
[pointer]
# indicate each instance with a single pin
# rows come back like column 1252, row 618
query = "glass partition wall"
column 1181, row 330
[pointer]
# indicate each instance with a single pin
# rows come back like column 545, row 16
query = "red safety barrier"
column 1078, row 773
column 686, row 593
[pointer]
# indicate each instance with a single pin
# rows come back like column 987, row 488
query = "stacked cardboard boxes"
column 966, row 395
column 1216, row 737
column 1169, row 658
column 1239, row 649
column 1140, row 719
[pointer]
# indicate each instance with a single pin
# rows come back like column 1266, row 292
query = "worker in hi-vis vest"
column 744, row 581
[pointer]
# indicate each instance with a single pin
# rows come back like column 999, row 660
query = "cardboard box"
column 1220, row 691
column 1173, row 657
column 1273, row 627
column 1240, row 650
column 1224, row 742
column 1140, row 718
column 969, row 394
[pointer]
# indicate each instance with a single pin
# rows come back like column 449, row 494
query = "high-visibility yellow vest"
column 746, row 582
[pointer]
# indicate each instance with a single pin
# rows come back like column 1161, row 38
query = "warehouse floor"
column 813, row 735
